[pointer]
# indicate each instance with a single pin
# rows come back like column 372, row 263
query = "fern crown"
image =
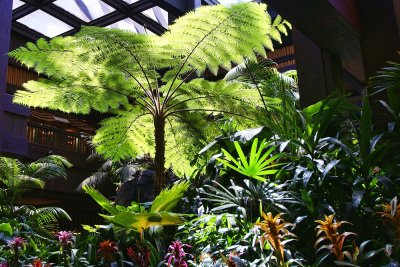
column 137, row 78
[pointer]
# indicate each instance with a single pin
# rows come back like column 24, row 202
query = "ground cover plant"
column 295, row 189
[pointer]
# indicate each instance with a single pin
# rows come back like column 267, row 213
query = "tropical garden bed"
column 256, row 180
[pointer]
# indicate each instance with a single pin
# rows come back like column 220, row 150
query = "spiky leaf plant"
column 275, row 231
column 148, row 82
column 328, row 232
column 135, row 217
column 391, row 213
column 260, row 163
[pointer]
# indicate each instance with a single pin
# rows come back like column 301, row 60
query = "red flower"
column 140, row 255
column 39, row 263
column 107, row 249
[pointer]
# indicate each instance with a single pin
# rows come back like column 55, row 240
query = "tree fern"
column 147, row 82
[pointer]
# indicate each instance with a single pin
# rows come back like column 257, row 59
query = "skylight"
column 44, row 23
column 130, row 25
column 232, row 2
column 157, row 14
column 17, row 3
column 125, row 24
column 130, row 1
column 86, row 10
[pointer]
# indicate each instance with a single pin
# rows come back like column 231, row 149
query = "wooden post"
column 5, row 32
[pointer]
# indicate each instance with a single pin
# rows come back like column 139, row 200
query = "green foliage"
column 169, row 198
column 18, row 177
column 146, row 82
column 274, row 88
column 258, row 165
column 6, row 228
column 244, row 201
column 100, row 199
column 135, row 217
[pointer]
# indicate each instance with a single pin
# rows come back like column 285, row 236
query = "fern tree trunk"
column 159, row 159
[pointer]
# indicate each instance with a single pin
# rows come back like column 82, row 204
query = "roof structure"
column 50, row 18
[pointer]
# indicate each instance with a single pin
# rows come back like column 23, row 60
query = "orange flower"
column 328, row 230
column 275, row 230
column 391, row 212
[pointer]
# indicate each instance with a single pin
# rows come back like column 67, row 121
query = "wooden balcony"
column 57, row 139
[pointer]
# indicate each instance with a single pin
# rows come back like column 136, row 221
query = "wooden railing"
column 51, row 137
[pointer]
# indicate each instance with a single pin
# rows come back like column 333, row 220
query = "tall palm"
column 148, row 82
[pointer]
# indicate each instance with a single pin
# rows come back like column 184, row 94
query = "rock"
column 138, row 189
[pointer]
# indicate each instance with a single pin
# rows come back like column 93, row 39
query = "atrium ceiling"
column 50, row 18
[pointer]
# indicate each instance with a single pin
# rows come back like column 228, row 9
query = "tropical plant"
column 18, row 177
column 359, row 255
column 391, row 214
column 16, row 244
column 176, row 255
column 214, row 233
column 259, row 164
column 275, row 232
column 147, row 82
column 65, row 239
column 245, row 200
column 136, row 217
column 140, row 255
column 274, row 88
column 328, row 230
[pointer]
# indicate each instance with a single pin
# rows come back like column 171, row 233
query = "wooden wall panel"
column 18, row 75
column 284, row 57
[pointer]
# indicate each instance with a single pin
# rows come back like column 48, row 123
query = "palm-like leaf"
column 245, row 200
column 273, row 87
column 44, row 220
column 18, row 177
column 387, row 78
column 259, row 163
column 100, row 199
column 142, row 221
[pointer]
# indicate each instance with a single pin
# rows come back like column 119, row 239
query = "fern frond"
column 128, row 134
column 60, row 58
column 212, row 37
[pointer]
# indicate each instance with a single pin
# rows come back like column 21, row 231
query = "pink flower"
column 64, row 237
column 16, row 243
column 176, row 254
column 3, row 264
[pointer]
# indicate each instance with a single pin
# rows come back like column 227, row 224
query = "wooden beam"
column 27, row 32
